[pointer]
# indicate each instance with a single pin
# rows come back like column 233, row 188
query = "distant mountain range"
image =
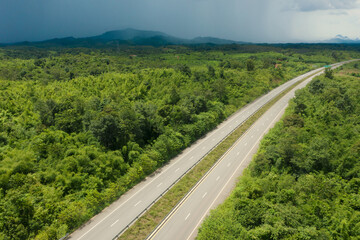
column 127, row 36
column 340, row 39
column 132, row 36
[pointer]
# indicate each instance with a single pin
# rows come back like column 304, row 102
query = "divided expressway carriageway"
column 186, row 217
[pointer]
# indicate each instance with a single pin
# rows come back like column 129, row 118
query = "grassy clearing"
column 146, row 223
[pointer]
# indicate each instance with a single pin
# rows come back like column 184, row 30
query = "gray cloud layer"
column 314, row 5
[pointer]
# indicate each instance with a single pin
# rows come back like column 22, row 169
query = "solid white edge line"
column 257, row 141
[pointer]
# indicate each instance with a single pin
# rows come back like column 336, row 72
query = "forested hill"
column 126, row 37
column 79, row 127
column 304, row 182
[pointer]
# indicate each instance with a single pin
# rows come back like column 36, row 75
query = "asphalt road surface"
column 115, row 218
column 183, row 222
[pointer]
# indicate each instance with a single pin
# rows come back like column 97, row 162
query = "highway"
column 184, row 220
column 117, row 217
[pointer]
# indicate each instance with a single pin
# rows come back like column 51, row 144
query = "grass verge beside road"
column 147, row 222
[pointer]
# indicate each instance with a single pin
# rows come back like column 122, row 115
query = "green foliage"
column 304, row 181
column 250, row 65
column 329, row 73
column 79, row 127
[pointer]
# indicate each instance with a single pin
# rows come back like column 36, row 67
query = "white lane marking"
column 137, row 203
column 177, row 169
column 252, row 136
column 229, row 164
column 214, row 139
column 192, row 157
column 203, row 147
column 159, row 185
column 204, row 195
column 114, row 223
column 187, row 216
column 217, row 179
column 245, row 144
column 238, row 153
column 230, row 126
column 257, row 129
column 237, row 121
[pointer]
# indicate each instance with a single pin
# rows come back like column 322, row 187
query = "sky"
column 243, row 20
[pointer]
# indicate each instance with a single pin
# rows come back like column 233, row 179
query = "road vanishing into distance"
column 185, row 219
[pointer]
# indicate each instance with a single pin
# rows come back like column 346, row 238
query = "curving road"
column 184, row 220
column 117, row 217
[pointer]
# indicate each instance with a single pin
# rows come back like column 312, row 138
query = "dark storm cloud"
column 34, row 20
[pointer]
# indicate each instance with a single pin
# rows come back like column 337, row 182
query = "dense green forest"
column 304, row 182
column 79, row 127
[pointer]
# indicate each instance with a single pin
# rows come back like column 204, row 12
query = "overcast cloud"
column 244, row 20
column 314, row 5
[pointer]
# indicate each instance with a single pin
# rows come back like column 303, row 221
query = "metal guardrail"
column 217, row 162
column 189, row 169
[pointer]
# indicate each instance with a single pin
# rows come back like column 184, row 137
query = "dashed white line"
column 238, row 153
column 203, row 147
column 187, row 216
column 204, row 195
column 137, row 203
column 192, row 157
column 159, row 185
column 114, row 223
column 217, row 179
column 214, row 139
column 245, row 144
column 252, row 136
column 177, row 169
column 229, row 164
